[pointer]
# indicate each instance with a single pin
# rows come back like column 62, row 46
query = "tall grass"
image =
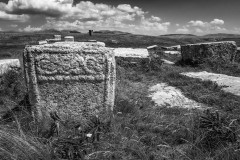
column 139, row 130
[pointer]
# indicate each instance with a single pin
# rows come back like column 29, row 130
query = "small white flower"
column 89, row 135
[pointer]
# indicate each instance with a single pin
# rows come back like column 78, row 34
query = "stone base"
column 133, row 62
column 225, row 51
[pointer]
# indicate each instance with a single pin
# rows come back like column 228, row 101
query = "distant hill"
column 222, row 35
column 49, row 31
column 110, row 32
column 69, row 31
column 178, row 35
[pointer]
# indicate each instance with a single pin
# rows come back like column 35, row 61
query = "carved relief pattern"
column 70, row 67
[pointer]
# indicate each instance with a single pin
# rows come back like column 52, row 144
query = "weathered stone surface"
column 172, row 48
column 58, row 37
column 167, row 96
column 130, row 52
column 129, row 57
column 7, row 64
column 152, row 51
column 216, row 50
column 229, row 83
column 69, row 39
column 75, row 80
column 133, row 62
column 42, row 42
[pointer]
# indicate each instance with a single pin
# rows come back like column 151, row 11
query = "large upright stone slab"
column 217, row 50
column 74, row 79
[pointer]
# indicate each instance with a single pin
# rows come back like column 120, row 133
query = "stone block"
column 75, row 80
column 42, row 42
column 132, row 58
column 225, row 51
column 133, row 62
column 69, row 39
column 152, row 51
column 58, row 37
column 131, row 52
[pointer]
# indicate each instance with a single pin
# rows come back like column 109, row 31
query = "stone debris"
column 167, row 96
column 74, row 79
column 92, row 40
column 58, row 37
column 69, row 39
column 172, row 48
column 230, row 84
column 152, row 47
column 7, row 64
column 216, row 50
column 114, row 41
column 152, row 51
column 130, row 52
column 42, row 42
column 172, row 52
column 167, row 62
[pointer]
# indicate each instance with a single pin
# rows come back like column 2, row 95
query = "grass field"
column 140, row 129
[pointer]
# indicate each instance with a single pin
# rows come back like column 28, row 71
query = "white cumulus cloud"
column 61, row 14
column 201, row 27
column 217, row 22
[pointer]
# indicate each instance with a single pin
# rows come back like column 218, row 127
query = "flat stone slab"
column 75, row 79
column 230, row 84
column 167, row 62
column 167, row 96
column 130, row 52
column 172, row 52
column 226, row 51
column 6, row 64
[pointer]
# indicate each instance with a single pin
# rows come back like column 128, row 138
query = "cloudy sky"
column 151, row 17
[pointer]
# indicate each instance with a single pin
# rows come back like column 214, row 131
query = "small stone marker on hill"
column 223, row 50
column 90, row 32
column 75, row 80
column 69, row 39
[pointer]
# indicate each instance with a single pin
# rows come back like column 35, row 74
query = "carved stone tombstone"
column 75, row 80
